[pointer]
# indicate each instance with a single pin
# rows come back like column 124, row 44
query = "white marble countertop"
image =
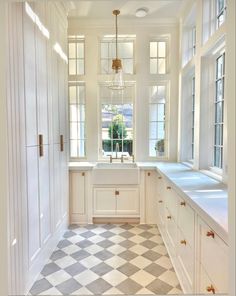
column 206, row 195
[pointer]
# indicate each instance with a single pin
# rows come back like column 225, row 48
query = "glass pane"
column 80, row 50
column 81, row 130
column 160, row 147
column 153, row 130
column 72, row 67
column 161, row 130
column 128, row 147
column 104, row 50
column 81, row 112
column 153, row 49
column 220, row 5
column 220, row 67
column 104, row 66
column 217, row 151
column 72, row 53
column 152, row 148
column 161, row 49
column 81, row 94
column 153, row 111
column 161, row 91
column 81, row 148
column 72, row 93
column 80, row 67
column 128, row 66
column 221, row 19
column 219, row 90
column 73, row 148
column 161, row 112
column 106, row 147
column 153, row 66
column 161, row 66
column 219, row 112
column 125, row 50
column 73, row 131
column 73, row 113
column 219, row 134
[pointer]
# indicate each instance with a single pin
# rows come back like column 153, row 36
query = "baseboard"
column 45, row 254
column 115, row 220
column 78, row 219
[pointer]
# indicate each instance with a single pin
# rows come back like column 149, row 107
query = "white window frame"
column 193, row 104
column 102, row 84
column 165, row 39
column 76, row 39
column 167, row 121
column 220, row 13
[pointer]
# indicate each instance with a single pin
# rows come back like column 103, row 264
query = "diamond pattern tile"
column 108, row 260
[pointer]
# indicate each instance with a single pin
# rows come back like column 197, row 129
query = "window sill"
column 213, row 173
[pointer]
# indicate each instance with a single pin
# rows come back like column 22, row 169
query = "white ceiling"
column 97, row 9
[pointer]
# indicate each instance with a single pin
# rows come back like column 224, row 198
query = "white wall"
column 3, row 161
column 144, row 32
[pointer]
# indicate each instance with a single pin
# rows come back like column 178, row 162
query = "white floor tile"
column 143, row 278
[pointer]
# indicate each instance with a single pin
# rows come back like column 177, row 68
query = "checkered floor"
column 109, row 259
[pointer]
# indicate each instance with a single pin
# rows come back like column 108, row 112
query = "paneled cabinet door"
column 127, row 201
column 104, row 201
column 64, row 180
column 44, row 193
column 57, row 204
column 33, row 204
column 77, row 193
column 30, row 80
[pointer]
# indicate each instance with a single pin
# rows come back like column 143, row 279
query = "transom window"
column 157, row 120
column 116, row 122
column 220, row 12
column 125, row 53
column 158, row 57
column 219, row 112
column 76, row 55
column 77, row 119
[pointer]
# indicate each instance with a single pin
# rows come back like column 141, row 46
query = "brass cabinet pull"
column 40, row 145
column 149, row 174
column 183, row 242
column 61, row 143
column 183, row 203
column 160, row 201
column 211, row 289
column 168, row 187
column 83, row 174
column 117, row 192
column 210, row 234
column 168, row 217
column 159, row 178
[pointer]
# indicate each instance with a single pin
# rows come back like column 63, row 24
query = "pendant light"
column 117, row 82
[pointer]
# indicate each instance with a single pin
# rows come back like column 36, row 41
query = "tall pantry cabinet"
column 37, row 137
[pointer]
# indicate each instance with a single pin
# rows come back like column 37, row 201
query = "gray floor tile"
column 101, row 269
column 57, row 255
column 145, row 226
column 69, row 234
column 104, row 255
column 129, row 287
column 63, row 244
column 127, row 234
column 155, row 269
column 127, row 255
column 40, row 286
column 128, row 269
column 84, row 244
column 68, row 286
column 127, row 244
column 159, row 287
column 147, row 234
column 109, row 226
column 75, row 269
column 87, row 234
column 99, row 286
column 107, row 234
column 105, row 243
column 149, row 244
column 151, row 255
column 126, row 226
column 79, row 255
column 49, row 269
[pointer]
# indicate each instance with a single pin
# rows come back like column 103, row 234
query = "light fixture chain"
column 116, row 38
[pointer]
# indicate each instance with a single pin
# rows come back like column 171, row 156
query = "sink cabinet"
column 115, row 201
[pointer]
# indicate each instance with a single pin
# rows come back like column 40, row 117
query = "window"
column 76, row 55
column 157, row 121
column 125, row 53
column 116, row 122
column 77, row 119
column 158, row 57
column 193, row 116
column 193, row 41
column 220, row 12
column 219, row 112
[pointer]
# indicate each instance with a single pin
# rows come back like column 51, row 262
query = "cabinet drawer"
column 171, row 229
column 206, row 286
column 186, row 221
column 186, row 258
column 171, row 200
column 214, row 257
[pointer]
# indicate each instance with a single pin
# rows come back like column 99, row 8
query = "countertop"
column 207, row 196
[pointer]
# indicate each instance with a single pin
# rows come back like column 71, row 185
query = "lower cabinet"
column 116, row 201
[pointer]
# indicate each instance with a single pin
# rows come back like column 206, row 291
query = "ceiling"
column 97, row 9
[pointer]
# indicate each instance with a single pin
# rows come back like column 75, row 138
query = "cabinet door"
column 127, row 201
column 44, row 193
column 30, row 80
column 64, row 180
column 57, row 209
column 104, row 201
column 171, row 229
column 33, row 203
column 77, row 193
column 151, row 196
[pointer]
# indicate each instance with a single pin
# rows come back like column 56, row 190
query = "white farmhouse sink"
column 115, row 173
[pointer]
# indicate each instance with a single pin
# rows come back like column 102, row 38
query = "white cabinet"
column 150, row 197
column 112, row 201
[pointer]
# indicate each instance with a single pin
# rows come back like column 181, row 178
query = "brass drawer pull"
column 40, row 145
column 168, row 217
column 160, row 201
column 183, row 203
column 210, row 234
column 168, row 187
column 211, row 289
column 149, row 174
column 159, row 178
column 183, row 242
column 83, row 174
column 61, row 143
column 117, row 192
